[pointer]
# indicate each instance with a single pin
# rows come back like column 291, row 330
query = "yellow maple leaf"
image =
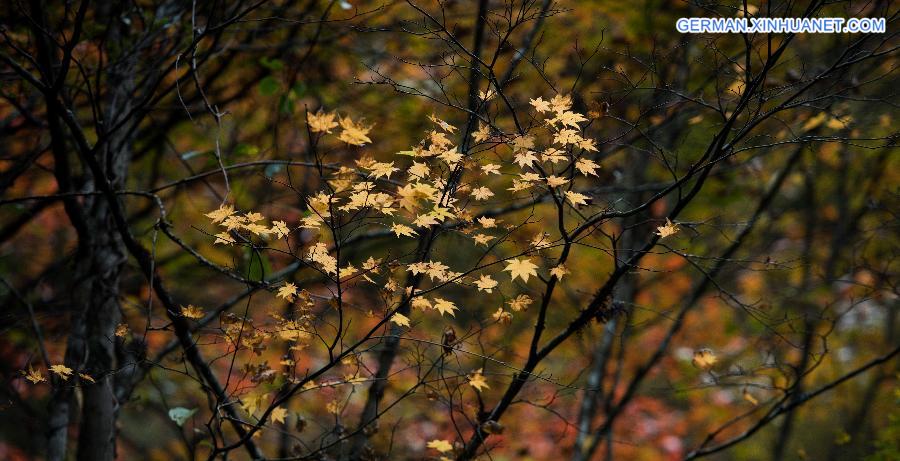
column 354, row 379
column 521, row 268
column 288, row 291
column 486, row 222
column 419, row 171
column 442, row 213
column 559, row 271
column 444, row 125
column 34, row 376
column 319, row 253
column 540, row 105
column 587, row 167
column 482, row 134
column 556, row 181
column 400, row 319
column 402, row 229
column 334, row 407
column 62, row 371
column 476, row 380
column 353, row 133
column 417, row 268
column 384, row 169
column 451, row 157
column 257, row 229
column 442, row 446
column 436, row 270
column 520, row 303
column 523, row 142
column 444, row 307
column 371, row 264
column 425, row 220
column 567, row 118
column 279, row 228
column 704, row 359
column 667, row 230
column 221, row 213
column 422, row 304
column 486, row 283
column 482, row 239
column 482, row 193
column 322, row 122
column 588, row 144
column 253, row 217
column 292, row 331
column 502, row 317
column 278, row 414
column 192, row 312
column 576, row 199
column 525, row 158
column 561, row 103
column 253, row 402
column 553, row 155
column 490, row 168
column 224, row 238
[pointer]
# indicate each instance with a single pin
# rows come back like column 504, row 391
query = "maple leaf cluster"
column 433, row 188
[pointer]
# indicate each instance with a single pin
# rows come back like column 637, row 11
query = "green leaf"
column 245, row 149
column 268, row 86
column 286, row 105
column 299, row 89
column 271, row 64
column 181, row 414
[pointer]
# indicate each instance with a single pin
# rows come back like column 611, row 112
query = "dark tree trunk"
column 99, row 295
column 97, row 434
column 95, row 277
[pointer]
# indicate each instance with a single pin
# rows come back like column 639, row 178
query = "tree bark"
column 97, row 434
column 97, row 265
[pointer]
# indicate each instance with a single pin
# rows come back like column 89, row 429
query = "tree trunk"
column 97, row 434
column 98, row 262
